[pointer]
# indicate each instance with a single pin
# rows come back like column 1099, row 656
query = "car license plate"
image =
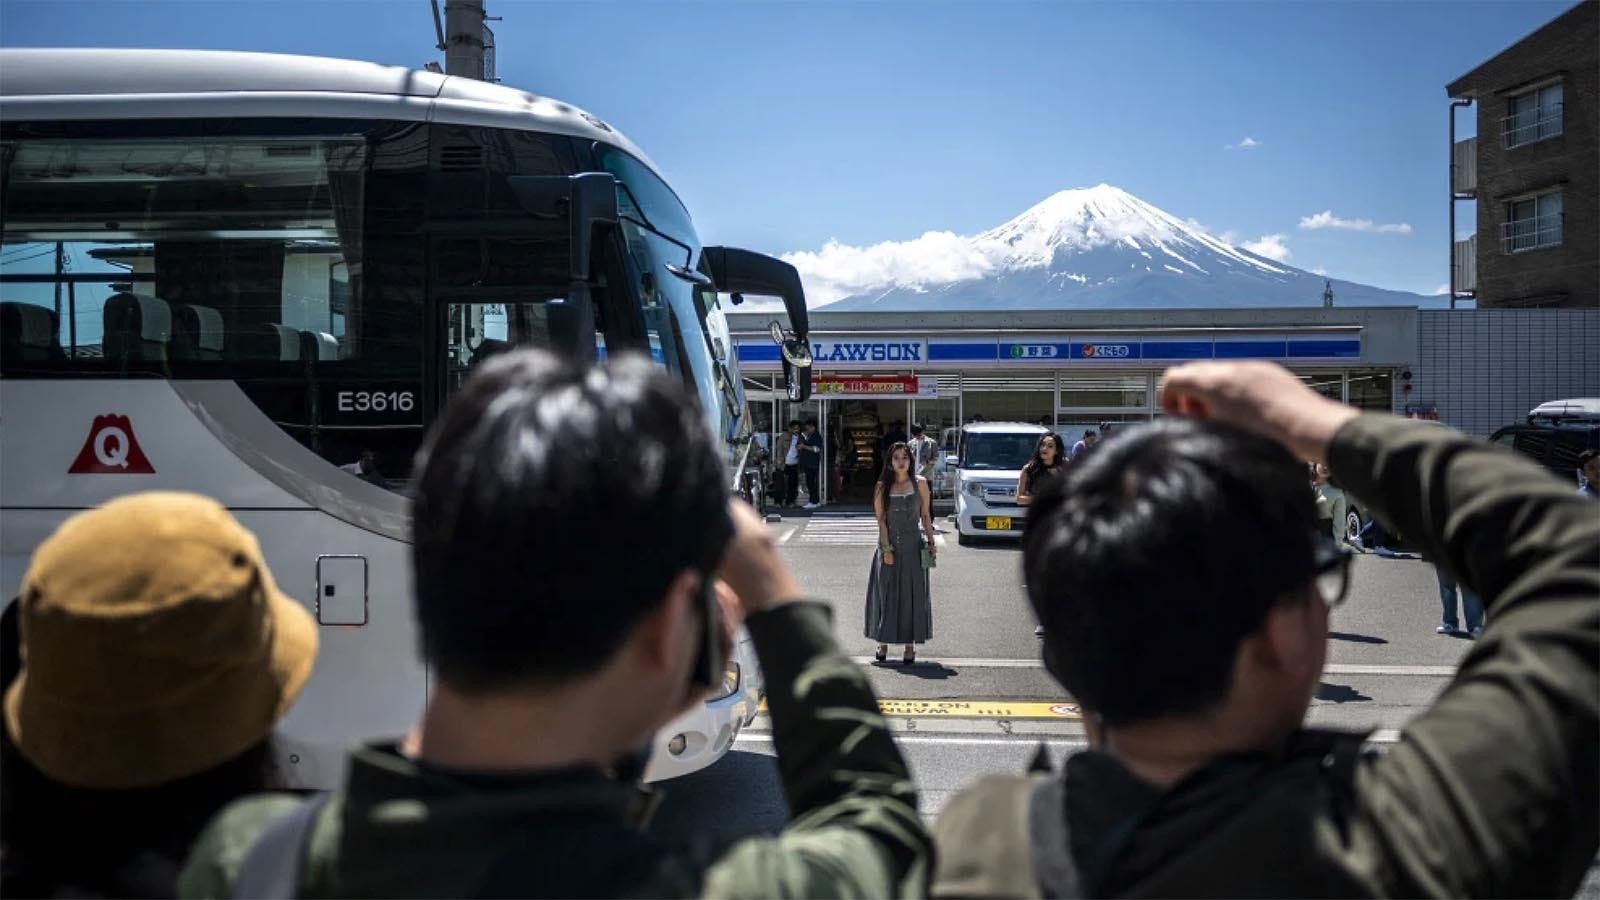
column 997, row 523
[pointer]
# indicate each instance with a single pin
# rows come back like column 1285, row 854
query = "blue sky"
column 785, row 125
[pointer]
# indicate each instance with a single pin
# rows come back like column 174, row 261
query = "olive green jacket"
column 1493, row 791
column 398, row 829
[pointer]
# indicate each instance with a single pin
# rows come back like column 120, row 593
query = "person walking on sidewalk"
column 899, row 603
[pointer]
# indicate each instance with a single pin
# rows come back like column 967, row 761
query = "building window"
column 1532, row 116
column 1372, row 391
column 1532, row 223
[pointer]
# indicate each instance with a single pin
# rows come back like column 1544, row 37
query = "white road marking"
column 842, row 530
column 1380, row 736
column 1355, row 669
column 850, row 531
column 1333, row 669
column 751, row 737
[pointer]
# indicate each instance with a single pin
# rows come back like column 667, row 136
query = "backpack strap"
column 272, row 866
column 1050, row 839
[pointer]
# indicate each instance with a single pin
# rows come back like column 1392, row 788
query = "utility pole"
column 463, row 24
column 1327, row 293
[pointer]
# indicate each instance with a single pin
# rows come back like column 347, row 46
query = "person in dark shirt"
column 1186, row 591
column 576, row 554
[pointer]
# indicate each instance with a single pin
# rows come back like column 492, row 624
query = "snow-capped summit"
column 1085, row 219
column 1086, row 248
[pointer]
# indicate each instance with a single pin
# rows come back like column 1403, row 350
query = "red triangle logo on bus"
column 111, row 450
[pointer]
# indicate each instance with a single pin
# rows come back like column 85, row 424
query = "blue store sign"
column 891, row 351
column 950, row 354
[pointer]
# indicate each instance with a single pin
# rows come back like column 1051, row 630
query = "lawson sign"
column 953, row 353
column 893, row 351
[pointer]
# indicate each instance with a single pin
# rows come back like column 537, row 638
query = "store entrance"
column 866, row 429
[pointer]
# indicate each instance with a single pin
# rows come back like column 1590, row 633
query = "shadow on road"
column 1340, row 693
column 991, row 544
column 922, row 668
column 1356, row 638
column 702, row 805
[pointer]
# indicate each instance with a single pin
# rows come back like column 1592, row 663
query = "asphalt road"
column 979, row 701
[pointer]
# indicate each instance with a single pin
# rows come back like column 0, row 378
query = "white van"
column 989, row 460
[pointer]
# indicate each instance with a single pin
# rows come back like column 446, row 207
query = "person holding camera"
column 554, row 666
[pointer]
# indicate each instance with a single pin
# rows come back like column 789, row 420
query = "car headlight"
column 731, row 676
column 975, row 488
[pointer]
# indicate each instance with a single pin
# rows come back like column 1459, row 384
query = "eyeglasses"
column 1331, row 563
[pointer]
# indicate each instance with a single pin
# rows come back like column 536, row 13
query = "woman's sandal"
column 909, row 658
column 882, row 655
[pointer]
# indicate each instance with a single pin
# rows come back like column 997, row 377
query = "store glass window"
column 1372, row 391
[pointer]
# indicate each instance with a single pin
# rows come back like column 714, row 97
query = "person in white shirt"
column 922, row 448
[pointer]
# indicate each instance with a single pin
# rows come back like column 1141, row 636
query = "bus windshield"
column 682, row 315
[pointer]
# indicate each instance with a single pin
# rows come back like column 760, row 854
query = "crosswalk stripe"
column 842, row 529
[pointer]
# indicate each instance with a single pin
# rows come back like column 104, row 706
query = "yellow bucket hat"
column 154, row 644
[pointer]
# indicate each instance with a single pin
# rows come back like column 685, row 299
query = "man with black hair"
column 1081, row 449
column 573, row 534
column 811, row 463
column 1195, row 663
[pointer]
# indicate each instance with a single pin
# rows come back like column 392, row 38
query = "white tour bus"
column 258, row 277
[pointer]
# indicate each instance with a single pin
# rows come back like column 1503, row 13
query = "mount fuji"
column 1096, row 248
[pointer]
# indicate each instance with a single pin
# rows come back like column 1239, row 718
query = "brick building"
column 1533, row 170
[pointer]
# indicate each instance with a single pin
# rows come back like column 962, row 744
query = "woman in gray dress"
column 899, row 607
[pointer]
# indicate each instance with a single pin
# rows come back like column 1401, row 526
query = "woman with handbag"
column 899, row 604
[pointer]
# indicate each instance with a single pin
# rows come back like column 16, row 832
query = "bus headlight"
column 731, row 677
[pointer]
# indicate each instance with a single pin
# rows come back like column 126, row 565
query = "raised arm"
column 1495, row 789
column 855, row 830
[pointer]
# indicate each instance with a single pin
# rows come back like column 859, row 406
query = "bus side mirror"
column 737, row 271
column 797, row 381
column 588, row 203
column 740, row 272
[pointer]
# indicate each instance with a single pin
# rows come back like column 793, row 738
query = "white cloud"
column 1326, row 219
column 839, row 270
column 1249, row 143
column 1319, row 271
column 1271, row 246
column 1442, row 289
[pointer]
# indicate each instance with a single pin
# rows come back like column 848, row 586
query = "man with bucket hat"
column 157, row 655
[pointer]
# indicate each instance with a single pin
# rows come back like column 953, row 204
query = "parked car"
column 989, row 460
column 1555, row 433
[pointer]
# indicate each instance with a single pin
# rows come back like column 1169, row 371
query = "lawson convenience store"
column 1069, row 370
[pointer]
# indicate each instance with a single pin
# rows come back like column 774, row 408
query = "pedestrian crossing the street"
column 837, row 530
